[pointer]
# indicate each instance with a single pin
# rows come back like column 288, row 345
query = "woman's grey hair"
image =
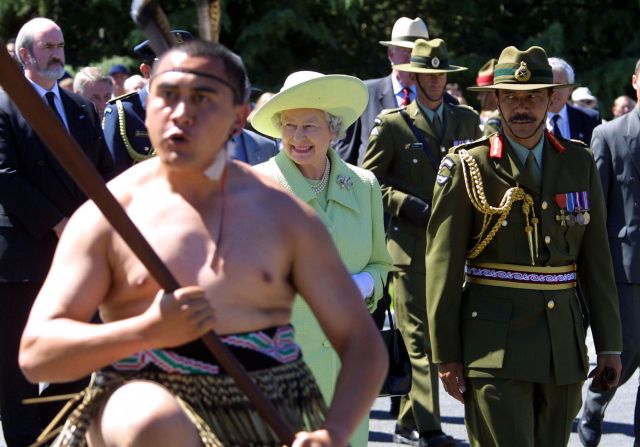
column 335, row 124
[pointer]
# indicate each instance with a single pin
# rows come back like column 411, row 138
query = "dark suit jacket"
column 253, row 148
column 582, row 122
column 134, row 110
column 616, row 148
column 35, row 191
column 353, row 146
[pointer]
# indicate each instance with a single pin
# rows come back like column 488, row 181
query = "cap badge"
column 435, row 62
column 179, row 38
column 522, row 74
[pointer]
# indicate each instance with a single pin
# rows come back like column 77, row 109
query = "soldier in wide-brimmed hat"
column 519, row 217
column 405, row 148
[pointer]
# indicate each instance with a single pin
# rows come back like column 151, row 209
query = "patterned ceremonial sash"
column 522, row 276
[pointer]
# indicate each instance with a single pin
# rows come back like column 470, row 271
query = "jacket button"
column 395, row 228
column 415, row 160
column 547, row 240
column 505, row 223
column 474, row 314
column 545, row 205
column 551, row 304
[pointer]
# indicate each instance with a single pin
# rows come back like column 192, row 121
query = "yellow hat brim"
column 340, row 95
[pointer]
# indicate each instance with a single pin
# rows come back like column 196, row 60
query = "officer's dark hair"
column 233, row 64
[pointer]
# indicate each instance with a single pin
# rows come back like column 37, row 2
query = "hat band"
column 541, row 76
column 484, row 80
column 406, row 38
column 429, row 62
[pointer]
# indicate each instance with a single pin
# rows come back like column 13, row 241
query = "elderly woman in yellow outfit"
column 310, row 112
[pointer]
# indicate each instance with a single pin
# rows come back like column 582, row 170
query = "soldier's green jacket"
column 522, row 334
column 403, row 168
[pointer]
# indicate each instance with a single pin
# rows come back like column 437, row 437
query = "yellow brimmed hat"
column 406, row 31
column 521, row 70
column 340, row 95
column 429, row 56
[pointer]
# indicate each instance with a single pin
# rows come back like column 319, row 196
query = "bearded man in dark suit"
column 36, row 199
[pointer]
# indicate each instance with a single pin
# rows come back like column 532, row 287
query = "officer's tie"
column 556, row 128
column 532, row 168
column 51, row 97
column 406, row 97
column 437, row 126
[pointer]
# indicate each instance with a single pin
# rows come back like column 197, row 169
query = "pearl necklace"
column 318, row 188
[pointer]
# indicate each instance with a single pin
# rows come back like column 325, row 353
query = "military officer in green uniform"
column 520, row 217
column 404, row 152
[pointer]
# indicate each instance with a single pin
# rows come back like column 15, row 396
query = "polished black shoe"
column 436, row 439
column 402, row 435
column 590, row 428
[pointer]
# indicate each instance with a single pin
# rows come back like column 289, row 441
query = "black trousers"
column 20, row 423
column 629, row 299
column 23, row 423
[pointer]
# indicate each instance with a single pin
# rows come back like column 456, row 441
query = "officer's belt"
column 521, row 276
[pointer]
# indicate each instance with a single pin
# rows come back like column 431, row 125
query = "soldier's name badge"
column 413, row 146
column 459, row 142
column 445, row 172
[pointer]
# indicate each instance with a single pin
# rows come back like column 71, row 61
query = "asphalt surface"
column 618, row 423
column 617, row 429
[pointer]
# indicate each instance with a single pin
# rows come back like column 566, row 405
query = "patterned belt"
column 522, row 276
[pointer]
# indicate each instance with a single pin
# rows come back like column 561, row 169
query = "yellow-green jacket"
column 354, row 220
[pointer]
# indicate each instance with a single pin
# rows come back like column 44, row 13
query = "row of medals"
column 578, row 216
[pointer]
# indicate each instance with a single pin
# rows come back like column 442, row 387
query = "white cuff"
column 365, row 283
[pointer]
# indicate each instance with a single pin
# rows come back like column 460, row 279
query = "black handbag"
column 398, row 380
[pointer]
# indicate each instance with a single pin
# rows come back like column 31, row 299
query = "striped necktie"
column 406, row 97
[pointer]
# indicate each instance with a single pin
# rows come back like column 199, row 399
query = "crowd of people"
column 499, row 236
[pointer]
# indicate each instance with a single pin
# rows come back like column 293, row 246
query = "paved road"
column 618, row 425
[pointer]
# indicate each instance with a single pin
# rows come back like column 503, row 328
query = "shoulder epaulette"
column 121, row 97
column 466, row 106
column 579, row 142
column 469, row 144
column 388, row 111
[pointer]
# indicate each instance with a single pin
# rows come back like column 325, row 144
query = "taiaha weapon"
column 69, row 154
column 209, row 19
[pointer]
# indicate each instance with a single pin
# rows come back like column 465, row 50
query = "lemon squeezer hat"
column 521, row 70
column 429, row 56
column 406, row 31
column 340, row 95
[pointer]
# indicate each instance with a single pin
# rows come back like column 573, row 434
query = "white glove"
column 365, row 283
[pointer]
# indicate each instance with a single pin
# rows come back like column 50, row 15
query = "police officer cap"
column 146, row 54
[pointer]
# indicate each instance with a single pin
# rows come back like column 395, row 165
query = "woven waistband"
column 522, row 276
column 254, row 350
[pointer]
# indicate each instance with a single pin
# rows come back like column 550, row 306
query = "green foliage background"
column 275, row 37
